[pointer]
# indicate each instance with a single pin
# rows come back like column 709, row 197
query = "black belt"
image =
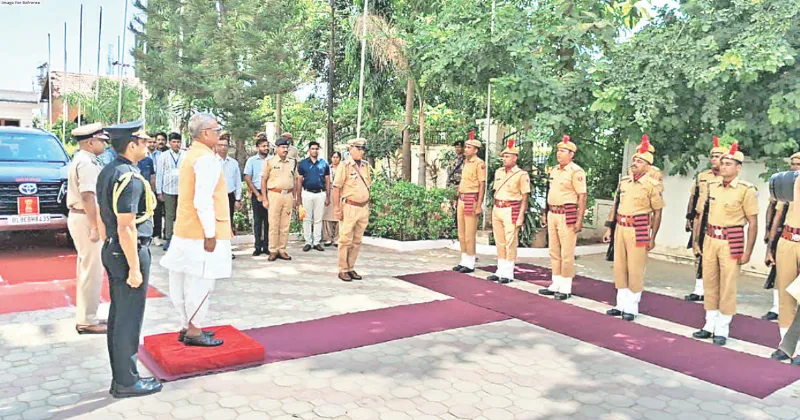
column 141, row 241
column 314, row 191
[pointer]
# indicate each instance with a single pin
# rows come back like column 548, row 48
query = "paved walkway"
column 504, row 370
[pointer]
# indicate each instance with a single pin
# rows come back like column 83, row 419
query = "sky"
column 25, row 28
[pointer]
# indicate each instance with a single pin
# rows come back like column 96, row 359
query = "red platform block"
column 169, row 359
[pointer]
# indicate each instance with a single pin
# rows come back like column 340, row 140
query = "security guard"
column 653, row 172
column 277, row 187
column 786, row 259
column 83, row 225
column 126, row 204
column 566, row 205
column 638, row 218
column 731, row 203
column 698, row 189
column 512, row 186
column 471, row 190
column 351, row 205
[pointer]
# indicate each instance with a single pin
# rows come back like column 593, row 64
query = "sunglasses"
column 362, row 148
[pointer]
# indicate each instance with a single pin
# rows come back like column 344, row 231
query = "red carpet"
column 679, row 311
column 348, row 331
column 42, row 279
column 37, row 265
column 741, row 372
column 176, row 359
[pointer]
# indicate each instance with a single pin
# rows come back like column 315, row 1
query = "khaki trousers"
column 562, row 245
column 720, row 273
column 467, row 229
column 505, row 234
column 280, row 215
column 629, row 260
column 351, row 231
column 787, row 259
column 88, row 270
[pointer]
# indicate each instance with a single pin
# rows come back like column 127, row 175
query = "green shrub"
column 408, row 212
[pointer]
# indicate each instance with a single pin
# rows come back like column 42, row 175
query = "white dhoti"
column 192, row 275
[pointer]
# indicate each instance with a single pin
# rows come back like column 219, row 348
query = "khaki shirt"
column 655, row 173
column 82, row 177
column 730, row 205
column 354, row 180
column 639, row 197
column 565, row 184
column 792, row 219
column 280, row 173
column 511, row 185
column 472, row 174
column 701, row 182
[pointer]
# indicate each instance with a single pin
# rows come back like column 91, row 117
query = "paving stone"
column 221, row 414
column 39, row 394
column 233, row 402
column 63, row 399
column 187, row 412
column 330, row 411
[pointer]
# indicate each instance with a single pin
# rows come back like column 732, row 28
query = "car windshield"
column 30, row 147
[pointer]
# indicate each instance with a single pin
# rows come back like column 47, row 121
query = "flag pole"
column 122, row 62
column 488, row 126
column 99, row 37
column 80, row 65
column 363, row 58
column 49, row 86
column 64, row 110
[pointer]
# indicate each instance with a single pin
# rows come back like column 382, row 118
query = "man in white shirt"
column 233, row 176
column 167, row 174
column 201, row 247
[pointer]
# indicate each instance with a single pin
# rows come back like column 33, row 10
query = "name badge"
column 174, row 172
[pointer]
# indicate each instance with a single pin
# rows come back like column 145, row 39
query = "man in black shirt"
column 126, row 204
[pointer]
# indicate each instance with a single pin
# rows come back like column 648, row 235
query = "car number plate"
column 29, row 220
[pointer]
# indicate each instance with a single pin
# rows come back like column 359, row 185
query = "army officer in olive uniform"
column 126, row 204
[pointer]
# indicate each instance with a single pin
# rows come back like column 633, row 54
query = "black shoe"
column 504, row 280
column 779, row 355
column 562, row 296
column 614, row 312
column 466, row 270
column 719, row 340
column 458, row 267
column 140, row 388
column 327, row 244
column 628, row 317
column 319, row 247
column 182, row 334
column 233, row 257
column 547, row 292
column 257, row 252
column 702, row 334
column 202, row 340
column 354, row 275
column 796, row 361
column 492, row 277
column 770, row 316
column 113, row 387
column 307, row 248
column 345, row 277
column 693, row 297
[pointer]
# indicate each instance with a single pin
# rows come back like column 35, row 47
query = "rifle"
column 701, row 241
column 693, row 213
column 770, row 283
column 610, row 251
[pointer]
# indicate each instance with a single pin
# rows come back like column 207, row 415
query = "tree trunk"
column 422, row 162
column 277, row 116
column 407, row 130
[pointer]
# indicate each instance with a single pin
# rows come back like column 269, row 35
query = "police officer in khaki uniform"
column 471, row 190
column 277, row 187
column 566, row 205
column 83, row 225
column 351, row 205
column 654, row 172
column 638, row 218
column 512, row 186
column 731, row 204
column 786, row 259
column 698, row 189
